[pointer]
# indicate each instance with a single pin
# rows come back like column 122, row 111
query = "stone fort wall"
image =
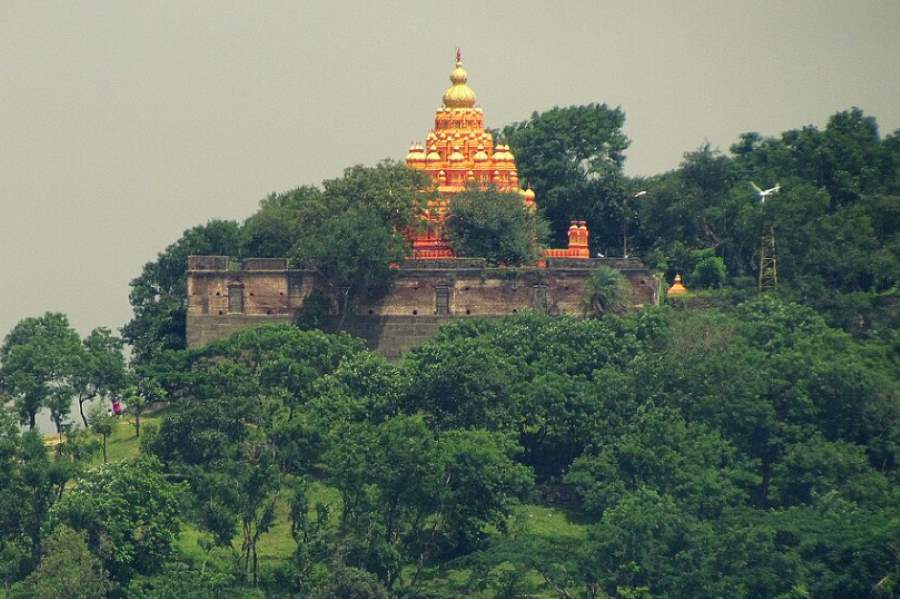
column 224, row 296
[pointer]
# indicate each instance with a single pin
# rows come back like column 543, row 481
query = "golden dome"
column 529, row 194
column 416, row 153
column 456, row 155
column 459, row 95
column 502, row 154
column 480, row 155
column 433, row 155
column 677, row 288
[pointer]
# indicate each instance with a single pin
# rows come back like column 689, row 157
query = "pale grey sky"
column 122, row 123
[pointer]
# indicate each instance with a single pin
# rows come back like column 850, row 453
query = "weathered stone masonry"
column 224, row 296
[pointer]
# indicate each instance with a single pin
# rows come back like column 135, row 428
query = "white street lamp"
column 625, row 225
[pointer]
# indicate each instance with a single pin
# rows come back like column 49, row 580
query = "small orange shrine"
column 459, row 152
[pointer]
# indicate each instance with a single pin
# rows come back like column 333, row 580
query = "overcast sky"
column 124, row 123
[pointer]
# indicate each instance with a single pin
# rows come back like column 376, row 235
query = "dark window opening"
column 235, row 299
column 442, row 300
column 540, row 298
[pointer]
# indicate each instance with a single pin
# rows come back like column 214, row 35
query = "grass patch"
column 275, row 546
column 123, row 444
column 537, row 533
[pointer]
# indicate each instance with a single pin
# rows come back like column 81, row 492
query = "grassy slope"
column 535, row 530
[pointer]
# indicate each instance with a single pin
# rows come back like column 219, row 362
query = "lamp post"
column 625, row 224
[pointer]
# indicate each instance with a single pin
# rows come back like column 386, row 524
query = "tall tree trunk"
column 137, row 424
column 105, row 456
column 31, row 420
column 81, row 401
column 255, row 566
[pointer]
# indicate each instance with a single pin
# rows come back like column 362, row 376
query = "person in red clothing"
column 117, row 407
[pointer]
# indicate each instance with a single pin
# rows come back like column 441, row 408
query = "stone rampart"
column 425, row 294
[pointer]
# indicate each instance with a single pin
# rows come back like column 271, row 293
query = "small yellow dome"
column 456, row 156
column 433, row 155
column 529, row 195
column 416, row 153
column 459, row 95
column 677, row 288
column 480, row 155
column 502, row 154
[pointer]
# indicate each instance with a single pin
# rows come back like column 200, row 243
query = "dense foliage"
column 746, row 449
column 496, row 226
column 747, row 452
column 573, row 159
column 835, row 220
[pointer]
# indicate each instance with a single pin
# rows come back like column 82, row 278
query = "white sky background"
column 123, row 123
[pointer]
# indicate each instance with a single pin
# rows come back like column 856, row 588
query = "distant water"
column 45, row 425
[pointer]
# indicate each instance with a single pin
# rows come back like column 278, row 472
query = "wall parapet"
column 208, row 262
column 424, row 294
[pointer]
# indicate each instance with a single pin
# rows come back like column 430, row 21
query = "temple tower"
column 458, row 152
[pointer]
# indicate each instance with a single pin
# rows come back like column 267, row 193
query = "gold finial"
column 459, row 95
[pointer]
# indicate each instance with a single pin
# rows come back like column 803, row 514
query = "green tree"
column 159, row 295
column 138, row 398
column 67, row 569
column 37, row 361
column 465, row 383
column 211, row 579
column 607, row 291
column 129, row 512
column 101, row 371
column 315, row 312
column 660, row 451
column 102, row 423
column 814, row 468
column 31, row 481
column 479, row 483
column 354, row 231
column 274, row 229
column 409, row 495
column 494, row 225
column 573, row 159
column 350, row 583
column 709, row 271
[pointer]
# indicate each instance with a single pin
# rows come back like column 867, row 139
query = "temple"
column 434, row 285
column 459, row 153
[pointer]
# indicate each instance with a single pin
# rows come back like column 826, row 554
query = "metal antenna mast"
column 768, row 269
